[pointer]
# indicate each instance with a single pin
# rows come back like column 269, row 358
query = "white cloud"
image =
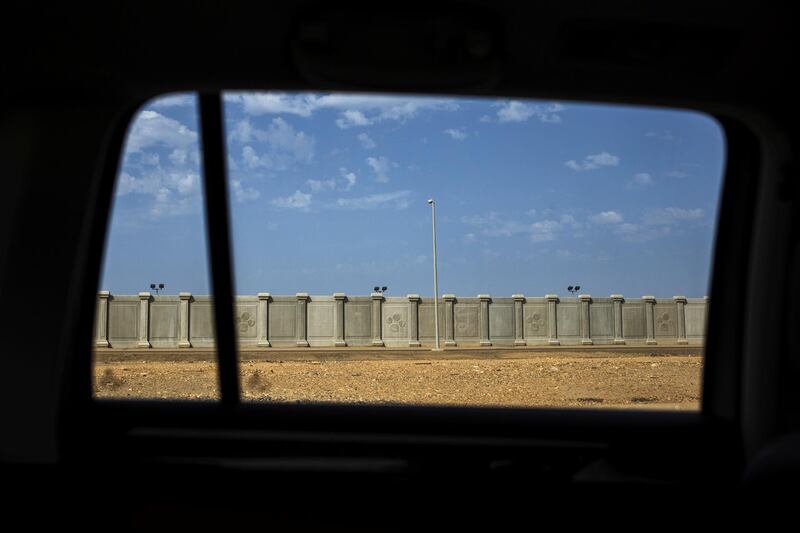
column 667, row 216
column 606, row 217
column 381, row 166
column 158, row 182
column 657, row 223
column 493, row 225
column 603, row 159
column 252, row 160
column 321, row 185
column 345, row 182
column 127, row 184
column 456, row 134
column 298, row 200
column 399, row 199
column 593, row 161
column 184, row 183
column 161, row 161
column 150, row 159
column 282, row 145
column 178, row 156
column 544, row 230
column 165, row 204
column 172, row 100
column 627, row 229
column 274, row 103
column 349, row 177
column 173, row 192
column 643, row 179
column 355, row 110
column 366, row 141
column 569, row 221
column 242, row 194
column 151, row 128
column 353, row 117
column 516, row 111
column 242, row 132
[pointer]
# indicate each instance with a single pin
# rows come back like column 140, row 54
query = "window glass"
column 154, row 327
column 573, row 250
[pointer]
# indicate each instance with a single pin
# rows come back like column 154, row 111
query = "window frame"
column 115, row 419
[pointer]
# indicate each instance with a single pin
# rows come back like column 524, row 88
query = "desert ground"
column 622, row 379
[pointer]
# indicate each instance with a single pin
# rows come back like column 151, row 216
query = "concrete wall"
column 263, row 320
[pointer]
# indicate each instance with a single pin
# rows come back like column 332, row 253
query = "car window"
column 573, row 249
column 154, row 324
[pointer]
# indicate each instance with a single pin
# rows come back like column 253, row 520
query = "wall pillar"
column 618, row 299
column 649, row 312
column 262, row 326
column 586, row 332
column 144, row 320
column 519, row 337
column 338, row 319
column 449, row 326
column 413, row 320
column 484, row 319
column 301, row 319
column 377, row 298
column 183, row 331
column 551, row 319
column 680, row 302
column 101, row 335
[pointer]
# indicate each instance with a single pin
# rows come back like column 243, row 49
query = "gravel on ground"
column 561, row 380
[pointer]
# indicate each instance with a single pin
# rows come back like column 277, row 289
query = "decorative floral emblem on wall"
column 536, row 323
column 663, row 322
column 245, row 322
column 395, row 323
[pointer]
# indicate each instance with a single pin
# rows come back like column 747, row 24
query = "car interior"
column 75, row 75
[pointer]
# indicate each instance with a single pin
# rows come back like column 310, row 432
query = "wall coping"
column 374, row 295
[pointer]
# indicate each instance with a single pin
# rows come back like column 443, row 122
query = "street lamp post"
column 435, row 275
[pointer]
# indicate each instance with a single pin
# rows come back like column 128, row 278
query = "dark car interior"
column 75, row 75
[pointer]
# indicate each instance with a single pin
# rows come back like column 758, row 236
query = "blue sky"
column 328, row 194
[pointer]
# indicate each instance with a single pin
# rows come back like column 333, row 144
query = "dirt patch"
column 663, row 382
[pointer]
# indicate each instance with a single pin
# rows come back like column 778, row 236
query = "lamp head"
column 430, row 201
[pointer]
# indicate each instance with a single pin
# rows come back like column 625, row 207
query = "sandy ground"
column 561, row 380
